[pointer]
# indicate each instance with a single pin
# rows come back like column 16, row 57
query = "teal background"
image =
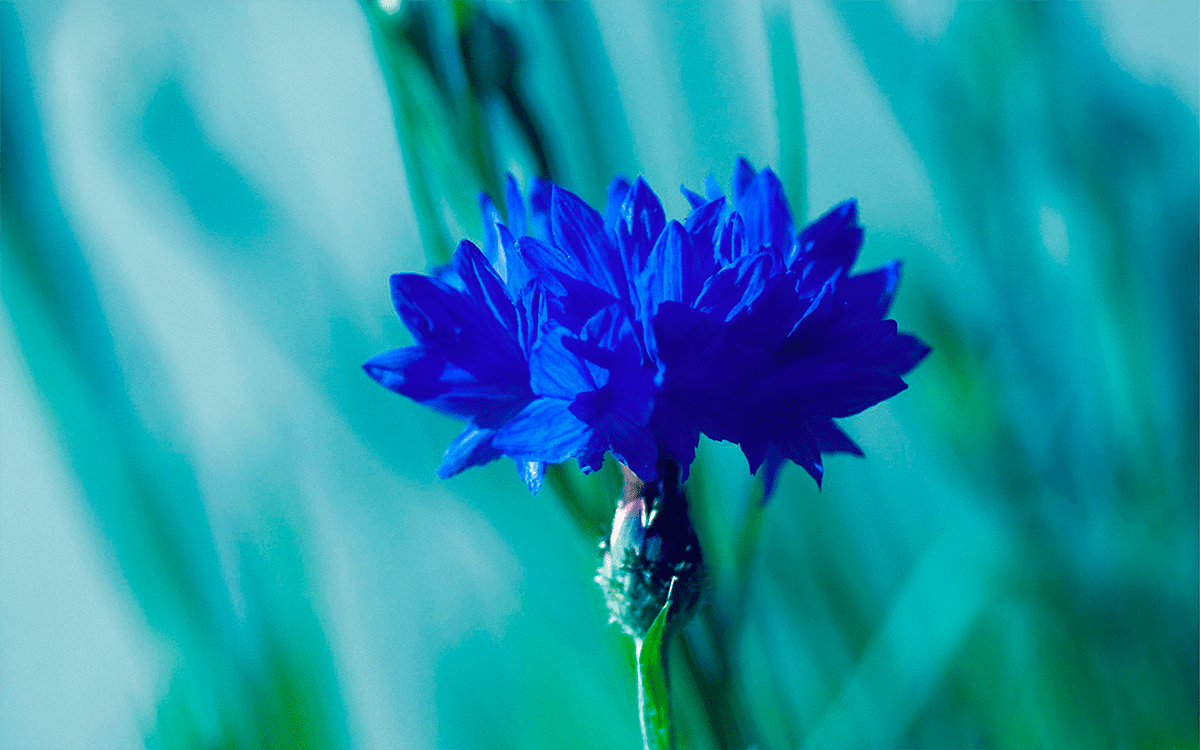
column 215, row 531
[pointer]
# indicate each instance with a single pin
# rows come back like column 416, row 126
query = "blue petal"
column 770, row 472
column 516, row 206
column 446, row 274
column 579, row 231
column 540, row 192
column 829, row 244
column 736, row 286
column 732, row 244
column 483, row 284
column 808, row 389
column 577, row 302
column 459, row 328
column 424, row 304
column 800, row 450
column 905, row 352
column 426, row 377
column 831, row 439
column 706, row 375
column 869, row 295
column 765, row 210
column 678, row 434
column 545, row 430
column 508, row 264
column 643, row 214
column 743, row 175
column 772, row 316
column 532, row 473
column 704, row 226
column 556, row 371
column 531, row 314
column 704, row 222
column 695, row 199
column 491, row 218
column 712, row 190
column 633, row 444
column 755, row 449
column 663, row 277
column 618, row 191
column 608, row 339
column 548, row 262
column 806, row 330
column 472, row 447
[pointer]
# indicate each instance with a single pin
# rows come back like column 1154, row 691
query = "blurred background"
column 216, row 531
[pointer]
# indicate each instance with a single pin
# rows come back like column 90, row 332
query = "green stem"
column 654, row 698
column 651, row 729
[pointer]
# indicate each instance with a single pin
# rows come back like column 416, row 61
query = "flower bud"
column 652, row 544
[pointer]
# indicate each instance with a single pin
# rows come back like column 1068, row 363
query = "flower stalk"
column 652, row 575
column 654, row 695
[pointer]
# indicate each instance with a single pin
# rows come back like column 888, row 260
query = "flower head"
column 571, row 334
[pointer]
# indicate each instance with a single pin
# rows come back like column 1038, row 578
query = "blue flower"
column 571, row 334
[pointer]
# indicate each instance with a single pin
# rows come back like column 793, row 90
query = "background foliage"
column 215, row 531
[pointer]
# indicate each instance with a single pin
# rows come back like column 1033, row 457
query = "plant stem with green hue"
column 654, row 698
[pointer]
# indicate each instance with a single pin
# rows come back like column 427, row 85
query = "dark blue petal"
column 831, row 439
column 678, row 433
column 706, row 374
column 424, row 304
column 823, row 390
column 743, row 175
column 578, row 303
column 634, row 444
column 516, row 206
column 869, row 295
column 800, row 450
column 737, row 286
column 773, row 314
column 816, row 317
column 609, row 340
column 491, row 218
column 705, row 221
column 828, row 245
column 755, row 449
column 905, row 352
column 770, row 472
column 704, row 226
column 540, row 192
